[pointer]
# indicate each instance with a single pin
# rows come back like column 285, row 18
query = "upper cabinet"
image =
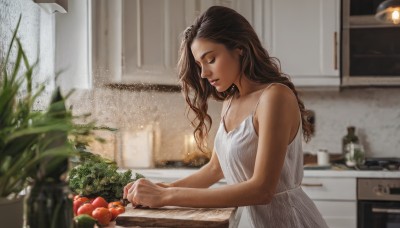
column 137, row 41
column 151, row 34
column 304, row 36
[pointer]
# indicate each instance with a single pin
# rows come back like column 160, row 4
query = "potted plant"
column 35, row 147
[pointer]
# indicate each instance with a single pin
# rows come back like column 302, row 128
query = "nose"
column 205, row 72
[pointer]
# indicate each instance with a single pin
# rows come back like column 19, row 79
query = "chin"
column 221, row 89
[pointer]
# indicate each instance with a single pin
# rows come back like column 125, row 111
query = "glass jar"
column 355, row 156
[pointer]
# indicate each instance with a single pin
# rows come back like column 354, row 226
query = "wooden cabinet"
column 335, row 198
column 304, row 36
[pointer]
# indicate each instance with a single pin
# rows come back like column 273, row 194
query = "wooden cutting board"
column 178, row 217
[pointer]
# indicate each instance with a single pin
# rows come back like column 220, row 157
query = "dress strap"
column 255, row 108
column 227, row 108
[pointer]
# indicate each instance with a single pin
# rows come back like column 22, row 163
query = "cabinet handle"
column 386, row 210
column 311, row 185
column 335, row 62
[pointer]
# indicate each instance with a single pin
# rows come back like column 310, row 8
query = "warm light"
column 189, row 144
column 396, row 16
column 388, row 12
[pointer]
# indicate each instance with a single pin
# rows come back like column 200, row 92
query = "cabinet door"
column 338, row 214
column 303, row 35
column 151, row 35
column 150, row 39
column 326, row 188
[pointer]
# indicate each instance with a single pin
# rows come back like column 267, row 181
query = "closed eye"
column 211, row 61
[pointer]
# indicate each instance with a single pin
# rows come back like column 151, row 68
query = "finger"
column 164, row 185
column 126, row 189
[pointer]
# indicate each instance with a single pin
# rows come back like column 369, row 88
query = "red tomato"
column 78, row 197
column 79, row 202
column 116, row 210
column 115, row 204
column 86, row 208
column 99, row 202
column 102, row 215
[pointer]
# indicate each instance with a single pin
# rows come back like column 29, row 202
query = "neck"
column 246, row 86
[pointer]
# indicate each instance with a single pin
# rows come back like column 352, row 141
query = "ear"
column 239, row 51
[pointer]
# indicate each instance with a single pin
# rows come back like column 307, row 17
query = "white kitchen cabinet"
column 304, row 36
column 138, row 41
column 151, row 35
column 335, row 199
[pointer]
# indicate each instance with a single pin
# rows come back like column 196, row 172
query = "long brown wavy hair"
column 225, row 26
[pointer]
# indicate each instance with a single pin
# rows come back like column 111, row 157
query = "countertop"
column 173, row 173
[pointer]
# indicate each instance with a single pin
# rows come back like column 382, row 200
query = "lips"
column 213, row 82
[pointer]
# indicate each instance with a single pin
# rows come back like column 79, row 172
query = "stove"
column 388, row 163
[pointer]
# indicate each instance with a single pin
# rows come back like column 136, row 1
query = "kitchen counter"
column 173, row 174
column 352, row 173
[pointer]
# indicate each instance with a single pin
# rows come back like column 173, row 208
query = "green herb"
column 96, row 176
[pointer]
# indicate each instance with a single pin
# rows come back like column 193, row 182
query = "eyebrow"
column 204, row 54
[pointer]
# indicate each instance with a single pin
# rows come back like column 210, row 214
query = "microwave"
column 370, row 51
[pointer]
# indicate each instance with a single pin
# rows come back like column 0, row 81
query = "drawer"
column 323, row 188
column 338, row 214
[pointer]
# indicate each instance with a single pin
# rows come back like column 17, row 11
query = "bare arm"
column 278, row 115
column 207, row 175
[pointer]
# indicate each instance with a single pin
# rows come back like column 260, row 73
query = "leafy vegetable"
column 96, row 176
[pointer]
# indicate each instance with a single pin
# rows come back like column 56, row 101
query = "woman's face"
column 218, row 65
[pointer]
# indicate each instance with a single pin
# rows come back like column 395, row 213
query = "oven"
column 378, row 203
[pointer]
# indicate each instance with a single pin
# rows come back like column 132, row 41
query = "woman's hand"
column 144, row 192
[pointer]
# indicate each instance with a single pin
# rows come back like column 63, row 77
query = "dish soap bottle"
column 348, row 139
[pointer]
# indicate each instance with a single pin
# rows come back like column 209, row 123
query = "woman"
column 258, row 146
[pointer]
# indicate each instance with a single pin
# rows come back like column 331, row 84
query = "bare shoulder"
column 278, row 106
column 278, row 100
column 278, row 93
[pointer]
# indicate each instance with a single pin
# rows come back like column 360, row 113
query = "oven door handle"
column 386, row 210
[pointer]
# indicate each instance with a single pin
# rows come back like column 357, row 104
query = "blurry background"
column 114, row 52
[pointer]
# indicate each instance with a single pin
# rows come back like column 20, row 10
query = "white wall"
column 37, row 36
column 73, row 46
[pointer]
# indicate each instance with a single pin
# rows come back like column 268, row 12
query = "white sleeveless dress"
column 290, row 207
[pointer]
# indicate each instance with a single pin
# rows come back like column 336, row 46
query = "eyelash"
column 210, row 62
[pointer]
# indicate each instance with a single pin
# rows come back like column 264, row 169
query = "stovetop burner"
column 392, row 164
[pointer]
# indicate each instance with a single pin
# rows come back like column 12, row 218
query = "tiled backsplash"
column 374, row 112
column 132, row 111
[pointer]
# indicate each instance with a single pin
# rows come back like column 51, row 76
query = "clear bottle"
column 351, row 137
